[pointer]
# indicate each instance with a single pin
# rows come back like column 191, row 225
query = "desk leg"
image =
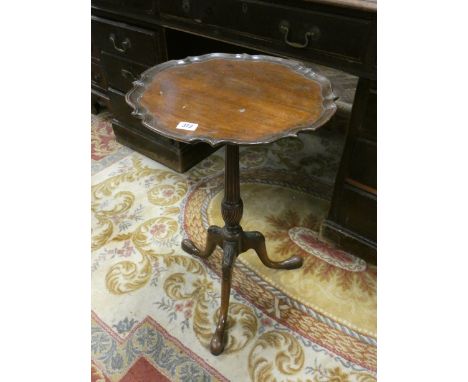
column 352, row 219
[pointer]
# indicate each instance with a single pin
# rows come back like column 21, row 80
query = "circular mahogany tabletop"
column 231, row 98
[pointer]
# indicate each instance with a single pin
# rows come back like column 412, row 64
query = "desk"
column 128, row 36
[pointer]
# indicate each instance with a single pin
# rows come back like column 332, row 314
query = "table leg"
column 234, row 241
column 214, row 237
column 230, row 252
column 256, row 241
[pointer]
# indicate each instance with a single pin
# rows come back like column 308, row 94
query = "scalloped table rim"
column 150, row 121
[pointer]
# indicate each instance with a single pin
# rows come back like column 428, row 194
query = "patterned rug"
column 154, row 308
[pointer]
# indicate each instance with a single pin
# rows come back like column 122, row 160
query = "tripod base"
column 233, row 244
column 233, row 240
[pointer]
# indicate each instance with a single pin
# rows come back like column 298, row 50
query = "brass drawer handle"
column 128, row 74
column 123, row 46
column 312, row 34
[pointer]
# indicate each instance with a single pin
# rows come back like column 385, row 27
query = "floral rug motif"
column 154, row 307
column 104, row 148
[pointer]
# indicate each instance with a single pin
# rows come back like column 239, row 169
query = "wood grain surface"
column 232, row 100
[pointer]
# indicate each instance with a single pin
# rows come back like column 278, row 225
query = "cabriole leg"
column 256, row 241
column 214, row 237
column 230, row 252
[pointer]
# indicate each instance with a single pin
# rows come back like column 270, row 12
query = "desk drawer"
column 121, row 73
column 126, row 41
column 223, row 13
column 360, row 212
column 145, row 7
column 307, row 32
column 97, row 75
column 295, row 32
column 363, row 166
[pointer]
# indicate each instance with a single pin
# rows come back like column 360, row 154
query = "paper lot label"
column 187, row 126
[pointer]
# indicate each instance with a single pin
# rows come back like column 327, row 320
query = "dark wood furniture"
column 121, row 53
column 352, row 220
column 131, row 35
column 193, row 100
